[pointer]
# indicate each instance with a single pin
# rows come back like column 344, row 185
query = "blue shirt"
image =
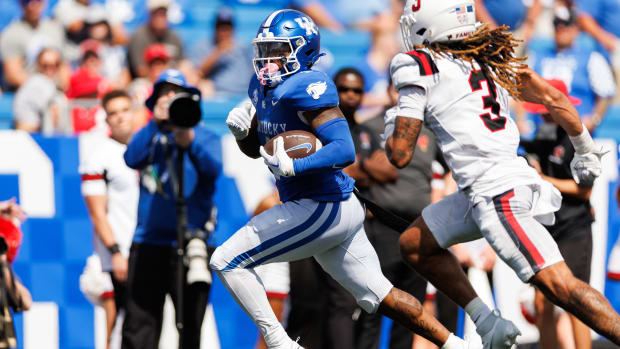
column 157, row 222
column 605, row 12
column 584, row 71
column 278, row 111
column 509, row 12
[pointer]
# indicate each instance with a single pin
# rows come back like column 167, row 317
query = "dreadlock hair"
column 494, row 52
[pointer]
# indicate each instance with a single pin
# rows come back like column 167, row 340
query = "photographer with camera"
column 173, row 151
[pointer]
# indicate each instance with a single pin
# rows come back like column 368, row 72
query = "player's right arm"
column 586, row 164
column 535, row 89
column 94, row 191
column 403, row 127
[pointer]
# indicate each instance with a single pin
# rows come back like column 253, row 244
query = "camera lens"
column 184, row 110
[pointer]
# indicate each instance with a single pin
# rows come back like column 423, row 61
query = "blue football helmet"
column 287, row 41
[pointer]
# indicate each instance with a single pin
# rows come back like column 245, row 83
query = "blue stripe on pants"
column 328, row 222
column 276, row 240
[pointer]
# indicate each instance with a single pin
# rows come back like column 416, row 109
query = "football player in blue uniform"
column 319, row 215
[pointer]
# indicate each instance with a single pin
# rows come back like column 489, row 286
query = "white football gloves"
column 587, row 167
column 280, row 164
column 240, row 119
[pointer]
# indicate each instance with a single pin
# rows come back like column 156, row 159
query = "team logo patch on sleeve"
column 316, row 89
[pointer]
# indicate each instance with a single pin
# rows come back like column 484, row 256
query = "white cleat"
column 502, row 334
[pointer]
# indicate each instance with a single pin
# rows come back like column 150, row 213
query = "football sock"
column 249, row 292
column 478, row 312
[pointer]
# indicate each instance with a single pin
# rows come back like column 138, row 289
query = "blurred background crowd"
column 60, row 57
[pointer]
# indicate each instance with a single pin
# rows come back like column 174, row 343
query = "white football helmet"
column 426, row 21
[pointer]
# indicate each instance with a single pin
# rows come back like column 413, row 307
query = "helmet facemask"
column 276, row 58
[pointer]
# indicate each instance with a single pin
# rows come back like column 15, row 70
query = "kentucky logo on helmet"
column 316, row 89
column 308, row 25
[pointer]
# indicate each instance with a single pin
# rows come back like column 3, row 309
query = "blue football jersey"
column 279, row 110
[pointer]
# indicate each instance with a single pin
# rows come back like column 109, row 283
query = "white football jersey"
column 104, row 172
column 468, row 113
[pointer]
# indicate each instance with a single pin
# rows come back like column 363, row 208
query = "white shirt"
column 104, row 172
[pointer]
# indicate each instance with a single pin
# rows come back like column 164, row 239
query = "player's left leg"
column 507, row 223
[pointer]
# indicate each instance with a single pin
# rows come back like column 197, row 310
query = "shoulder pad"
column 309, row 90
column 414, row 68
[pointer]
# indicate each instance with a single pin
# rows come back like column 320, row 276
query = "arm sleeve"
column 601, row 77
column 205, row 152
column 338, row 150
column 139, row 148
column 412, row 102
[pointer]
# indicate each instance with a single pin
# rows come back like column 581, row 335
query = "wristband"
column 113, row 249
column 583, row 143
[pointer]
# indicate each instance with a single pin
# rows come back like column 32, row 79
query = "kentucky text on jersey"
column 271, row 129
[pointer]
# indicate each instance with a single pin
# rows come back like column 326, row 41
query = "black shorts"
column 575, row 243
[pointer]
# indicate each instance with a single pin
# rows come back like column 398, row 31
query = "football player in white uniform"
column 457, row 77
column 110, row 190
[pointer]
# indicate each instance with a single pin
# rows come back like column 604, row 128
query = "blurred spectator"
column 371, row 166
column 157, row 60
column 551, row 153
column 226, row 67
column 585, row 72
column 516, row 14
column 39, row 103
column 599, row 18
column 25, row 35
column 87, row 81
column 156, row 31
column 339, row 14
column 73, row 15
column 153, row 255
column 13, row 294
column 110, row 190
column 374, row 68
column 114, row 57
column 85, row 87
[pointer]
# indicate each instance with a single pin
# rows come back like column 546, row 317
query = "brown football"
column 297, row 144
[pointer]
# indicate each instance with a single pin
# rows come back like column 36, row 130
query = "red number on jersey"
column 496, row 122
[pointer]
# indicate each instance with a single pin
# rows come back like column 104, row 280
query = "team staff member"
column 152, row 260
column 110, row 190
column 573, row 226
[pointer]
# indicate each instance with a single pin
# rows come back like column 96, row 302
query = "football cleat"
column 502, row 334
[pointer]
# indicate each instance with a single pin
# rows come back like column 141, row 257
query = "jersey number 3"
column 493, row 122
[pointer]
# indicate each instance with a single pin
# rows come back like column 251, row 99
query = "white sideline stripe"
column 41, row 326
